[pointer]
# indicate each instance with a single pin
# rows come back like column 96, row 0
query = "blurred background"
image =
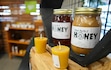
column 15, row 24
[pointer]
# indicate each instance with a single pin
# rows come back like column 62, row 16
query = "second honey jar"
column 61, row 26
column 86, row 29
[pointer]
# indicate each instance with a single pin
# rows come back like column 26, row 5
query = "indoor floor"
column 9, row 64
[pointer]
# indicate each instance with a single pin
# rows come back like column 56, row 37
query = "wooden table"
column 44, row 62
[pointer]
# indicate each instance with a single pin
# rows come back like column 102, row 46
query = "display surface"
column 44, row 62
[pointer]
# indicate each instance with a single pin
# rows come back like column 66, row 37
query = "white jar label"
column 56, row 62
column 61, row 30
column 85, row 37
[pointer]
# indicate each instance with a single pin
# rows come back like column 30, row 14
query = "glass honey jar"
column 86, row 29
column 61, row 26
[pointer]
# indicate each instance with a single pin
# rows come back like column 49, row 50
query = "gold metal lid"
column 62, row 11
column 87, row 10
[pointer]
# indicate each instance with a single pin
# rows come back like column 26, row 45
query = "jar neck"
column 62, row 18
column 93, row 15
column 86, row 20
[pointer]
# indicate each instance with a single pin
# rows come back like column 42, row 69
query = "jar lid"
column 62, row 11
column 87, row 10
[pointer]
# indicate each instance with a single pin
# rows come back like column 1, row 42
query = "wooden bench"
column 44, row 62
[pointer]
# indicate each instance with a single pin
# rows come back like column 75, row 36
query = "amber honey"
column 86, row 29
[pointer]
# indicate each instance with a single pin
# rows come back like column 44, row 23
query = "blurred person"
column 46, row 11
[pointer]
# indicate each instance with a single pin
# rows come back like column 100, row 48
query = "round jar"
column 61, row 26
column 86, row 29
